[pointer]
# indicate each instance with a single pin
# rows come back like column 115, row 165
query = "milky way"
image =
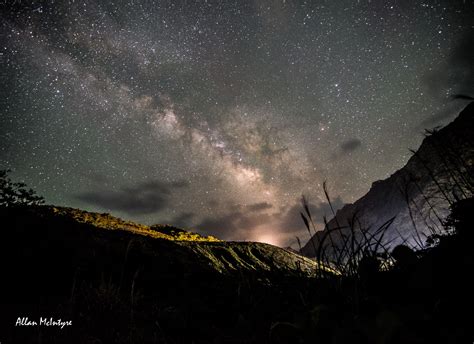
column 219, row 115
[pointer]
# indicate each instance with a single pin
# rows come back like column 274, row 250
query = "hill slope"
column 133, row 283
column 80, row 230
column 418, row 195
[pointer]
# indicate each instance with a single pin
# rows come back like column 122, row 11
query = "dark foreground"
column 119, row 287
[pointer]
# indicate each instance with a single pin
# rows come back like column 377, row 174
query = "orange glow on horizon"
column 267, row 239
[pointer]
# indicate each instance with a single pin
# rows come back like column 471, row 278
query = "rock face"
column 417, row 196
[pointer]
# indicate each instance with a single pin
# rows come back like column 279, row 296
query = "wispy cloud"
column 350, row 145
column 139, row 199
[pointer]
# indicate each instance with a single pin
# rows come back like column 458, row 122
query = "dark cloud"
column 291, row 220
column 232, row 224
column 451, row 110
column 241, row 220
column 183, row 220
column 220, row 226
column 212, row 203
column 350, row 145
column 453, row 78
column 257, row 207
column 143, row 198
column 462, row 64
column 456, row 74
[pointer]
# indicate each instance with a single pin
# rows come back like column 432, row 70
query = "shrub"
column 16, row 194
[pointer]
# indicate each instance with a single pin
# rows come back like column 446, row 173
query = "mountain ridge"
column 419, row 194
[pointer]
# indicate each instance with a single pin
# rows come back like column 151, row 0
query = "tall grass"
column 343, row 248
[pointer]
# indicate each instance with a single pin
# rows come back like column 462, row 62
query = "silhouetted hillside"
column 418, row 196
column 120, row 282
column 118, row 279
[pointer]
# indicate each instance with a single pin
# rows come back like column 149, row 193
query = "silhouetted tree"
column 16, row 194
column 461, row 219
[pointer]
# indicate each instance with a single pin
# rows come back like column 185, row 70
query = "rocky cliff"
column 417, row 197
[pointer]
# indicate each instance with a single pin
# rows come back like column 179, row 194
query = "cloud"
column 291, row 220
column 261, row 222
column 456, row 74
column 350, row 145
column 144, row 198
column 183, row 219
column 448, row 112
column 453, row 77
column 233, row 224
column 258, row 207
column 462, row 63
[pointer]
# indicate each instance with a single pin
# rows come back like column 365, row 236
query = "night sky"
column 219, row 115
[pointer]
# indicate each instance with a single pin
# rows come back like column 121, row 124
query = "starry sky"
column 219, row 115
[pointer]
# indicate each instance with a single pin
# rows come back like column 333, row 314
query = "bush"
column 16, row 194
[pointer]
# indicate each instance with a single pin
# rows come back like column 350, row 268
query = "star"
column 219, row 116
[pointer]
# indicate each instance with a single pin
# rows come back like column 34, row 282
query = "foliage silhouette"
column 15, row 193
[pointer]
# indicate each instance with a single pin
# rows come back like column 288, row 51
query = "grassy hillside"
column 109, row 222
